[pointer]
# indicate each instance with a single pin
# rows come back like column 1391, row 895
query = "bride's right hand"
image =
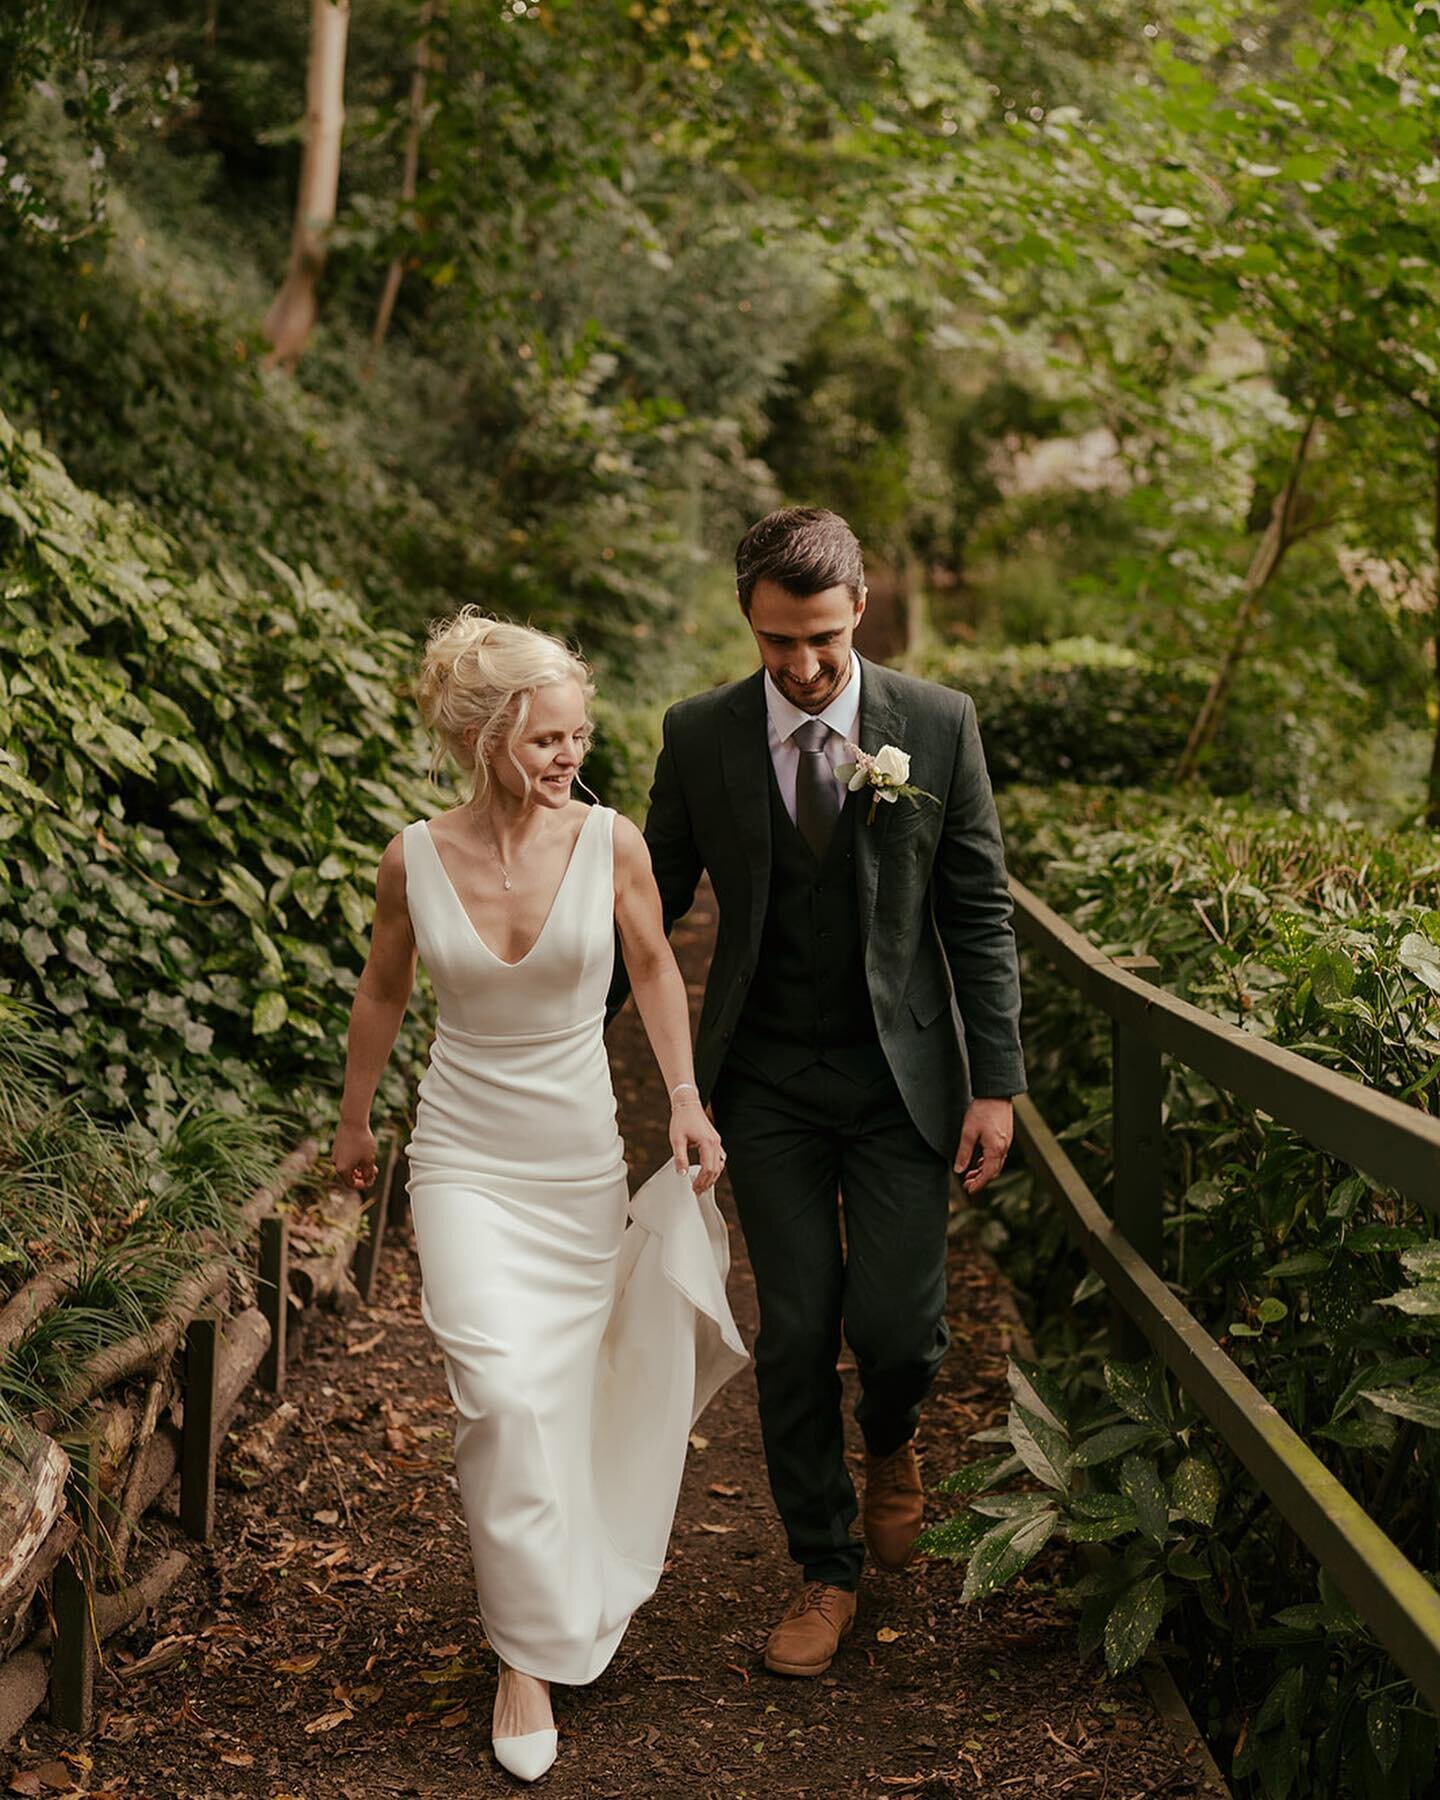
column 353, row 1154
column 689, row 1126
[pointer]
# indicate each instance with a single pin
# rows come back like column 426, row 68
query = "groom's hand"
column 984, row 1141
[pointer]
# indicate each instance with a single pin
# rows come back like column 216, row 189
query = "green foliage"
column 1127, row 1469
column 1122, row 1475
column 1321, row 936
column 135, row 1207
column 817, row 114
column 1245, row 224
column 621, row 761
column 64, row 109
column 538, row 484
column 198, row 777
column 1081, row 710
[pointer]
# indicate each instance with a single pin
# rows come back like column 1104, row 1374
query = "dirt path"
column 326, row 1648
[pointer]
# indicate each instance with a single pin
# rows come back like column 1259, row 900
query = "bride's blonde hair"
column 477, row 680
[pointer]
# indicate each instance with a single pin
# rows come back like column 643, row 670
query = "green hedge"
column 1323, row 1286
column 1086, row 711
column 196, row 779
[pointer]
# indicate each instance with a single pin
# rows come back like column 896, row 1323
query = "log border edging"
column 218, row 1361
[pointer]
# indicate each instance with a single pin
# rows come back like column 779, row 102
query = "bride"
column 578, row 1352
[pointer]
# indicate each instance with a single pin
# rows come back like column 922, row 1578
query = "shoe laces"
column 817, row 1596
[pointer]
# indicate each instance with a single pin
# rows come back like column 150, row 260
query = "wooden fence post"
column 1138, row 1090
column 73, row 1660
column 273, row 1297
column 399, row 1195
column 197, row 1439
column 365, row 1262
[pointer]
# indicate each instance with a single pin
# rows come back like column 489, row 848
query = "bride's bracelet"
column 687, row 1088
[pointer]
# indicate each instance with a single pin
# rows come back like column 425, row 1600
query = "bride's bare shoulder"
column 632, row 853
column 446, row 825
column 392, row 905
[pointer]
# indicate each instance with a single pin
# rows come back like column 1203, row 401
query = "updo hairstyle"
column 483, row 672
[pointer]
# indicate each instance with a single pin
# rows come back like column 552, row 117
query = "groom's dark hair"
column 805, row 549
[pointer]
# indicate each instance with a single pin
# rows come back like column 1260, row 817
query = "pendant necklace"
column 495, row 852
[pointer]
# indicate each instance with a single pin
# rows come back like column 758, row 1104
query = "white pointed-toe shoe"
column 526, row 1757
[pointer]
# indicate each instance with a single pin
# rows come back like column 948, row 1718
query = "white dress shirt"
column 841, row 715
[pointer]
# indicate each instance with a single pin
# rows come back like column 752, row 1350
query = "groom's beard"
column 820, row 693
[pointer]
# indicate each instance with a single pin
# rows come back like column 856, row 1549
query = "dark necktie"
column 817, row 792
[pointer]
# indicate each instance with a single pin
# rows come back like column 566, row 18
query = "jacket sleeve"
column 674, row 858
column 972, row 915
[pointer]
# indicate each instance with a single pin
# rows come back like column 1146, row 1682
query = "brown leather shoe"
column 894, row 1509
column 806, row 1639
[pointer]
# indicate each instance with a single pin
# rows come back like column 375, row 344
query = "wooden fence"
column 1393, row 1143
column 83, row 1548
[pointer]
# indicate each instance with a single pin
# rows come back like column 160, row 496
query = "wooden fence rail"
column 1393, row 1143
column 217, row 1361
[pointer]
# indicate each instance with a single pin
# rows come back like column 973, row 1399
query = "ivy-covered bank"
column 197, row 779
column 1324, row 1287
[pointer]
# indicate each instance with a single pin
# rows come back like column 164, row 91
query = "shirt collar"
column 840, row 715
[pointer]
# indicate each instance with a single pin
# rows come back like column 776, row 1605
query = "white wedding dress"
column 578, row 1352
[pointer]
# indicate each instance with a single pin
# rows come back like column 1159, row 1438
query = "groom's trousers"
column 803, row 1149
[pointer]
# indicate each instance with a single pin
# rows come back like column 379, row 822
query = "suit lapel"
column 879, row 724
column 745, row 768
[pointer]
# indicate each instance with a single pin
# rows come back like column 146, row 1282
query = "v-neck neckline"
column 554, row 902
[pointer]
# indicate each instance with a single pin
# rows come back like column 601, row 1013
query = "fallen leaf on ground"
column 328, row 1721
column 297, row 1665
column 161, row 1657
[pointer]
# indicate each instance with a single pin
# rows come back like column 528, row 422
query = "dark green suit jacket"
column 940, row 959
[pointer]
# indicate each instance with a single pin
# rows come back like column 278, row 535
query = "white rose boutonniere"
column 886, row 774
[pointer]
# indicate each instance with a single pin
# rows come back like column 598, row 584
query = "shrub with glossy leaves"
column 197, row 776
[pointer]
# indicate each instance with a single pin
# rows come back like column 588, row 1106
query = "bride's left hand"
column 689, row 1127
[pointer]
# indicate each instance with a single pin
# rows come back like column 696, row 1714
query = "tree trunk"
column 409, row 181
column 291, row 316
column 1269, row 553
column 21, row 1624
column 242, row 1344
column 31, row 1500
column 113, row 1612
column 263, row 1201
column 1432, row 807
column 145, row 1351
column 36, row 1296
column 321, row 1247
column 23, row 1681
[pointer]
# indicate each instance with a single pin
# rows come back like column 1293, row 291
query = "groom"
column 858, row 1037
